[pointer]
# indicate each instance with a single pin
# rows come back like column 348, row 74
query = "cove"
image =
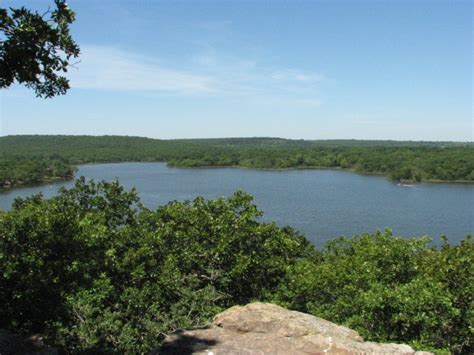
column 322, row 204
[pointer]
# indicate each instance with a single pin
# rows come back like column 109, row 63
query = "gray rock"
column 261, row 328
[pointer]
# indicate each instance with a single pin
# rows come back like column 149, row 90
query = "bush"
column 93, row 270
column 389, row 289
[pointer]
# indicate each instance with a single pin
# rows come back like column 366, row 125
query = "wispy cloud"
column 296, row 75
column 106, row 68
column 207, row 73
column 244, row 77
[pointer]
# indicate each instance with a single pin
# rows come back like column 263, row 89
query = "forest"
column 94, row 271
column 35, row 159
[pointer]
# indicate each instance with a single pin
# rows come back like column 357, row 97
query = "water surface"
column 322, row 204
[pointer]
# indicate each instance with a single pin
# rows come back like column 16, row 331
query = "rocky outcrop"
column 261, row 328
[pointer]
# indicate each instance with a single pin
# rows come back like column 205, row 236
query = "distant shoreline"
column 34, row 159
column 36, row 183
column 58, row 179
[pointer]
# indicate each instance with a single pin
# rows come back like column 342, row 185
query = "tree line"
column 32, row 159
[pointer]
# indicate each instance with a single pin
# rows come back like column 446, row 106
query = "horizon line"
column 236, row 137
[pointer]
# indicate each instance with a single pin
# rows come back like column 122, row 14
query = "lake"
column 322, row 204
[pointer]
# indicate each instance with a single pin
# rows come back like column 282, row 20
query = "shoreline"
column 296, row 168
column 44, row 181
column 431, row 181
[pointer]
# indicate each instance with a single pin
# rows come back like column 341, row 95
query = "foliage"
column 390, row 289
column 20, row 171
column 35, row 50
column 420, row 161
column 93, row 270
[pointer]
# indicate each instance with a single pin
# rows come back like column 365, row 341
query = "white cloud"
column 106, row 68
column 249, row 78
column 296, row 75
column 207, row 73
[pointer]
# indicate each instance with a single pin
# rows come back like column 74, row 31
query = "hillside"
column 34, row 159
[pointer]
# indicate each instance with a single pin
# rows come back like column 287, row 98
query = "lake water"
column 322, row 204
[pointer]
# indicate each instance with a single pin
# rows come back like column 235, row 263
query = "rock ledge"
column 262, row 328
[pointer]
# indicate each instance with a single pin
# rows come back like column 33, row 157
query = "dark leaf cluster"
column 36, row 49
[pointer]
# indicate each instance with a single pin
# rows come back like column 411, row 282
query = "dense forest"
column 94, row 271
column 33, row 159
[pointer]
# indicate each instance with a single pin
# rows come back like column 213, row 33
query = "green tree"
column 92, row 269
column 35, row 50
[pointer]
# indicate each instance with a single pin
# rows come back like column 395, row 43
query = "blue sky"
column 295, row 69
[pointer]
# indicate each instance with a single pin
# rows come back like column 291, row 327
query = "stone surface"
column 261, row 328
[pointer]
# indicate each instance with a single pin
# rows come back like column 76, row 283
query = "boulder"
column 262, row 328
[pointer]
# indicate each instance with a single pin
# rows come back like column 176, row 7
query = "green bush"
column 389, row 289
column 93, row 270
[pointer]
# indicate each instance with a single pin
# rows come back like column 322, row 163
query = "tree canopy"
column 36, row 49
column 96, row 272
